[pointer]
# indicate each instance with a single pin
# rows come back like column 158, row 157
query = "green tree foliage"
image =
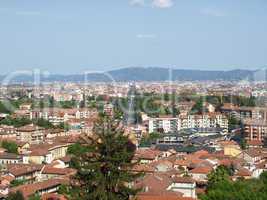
column 147, row 103
column 76, row 149
column 15, row 196
column 263, row 178
column 243, row 144
column 254, row 189
column 8, row 106
column 44, row 123
column 64, row 126
column 199, row 107
column 101, row 98
column 103, row 168
column 17, row 122
column 221, row 173
column 83, row 102
column 35, row 197
column 51, row 102
column 41, row 104
column 16, row 183
column 68, row 104
column 118, row 105
column 10, row 146
column 71, row 193
column 4, row 108
column 233, row 123
column 148, row 140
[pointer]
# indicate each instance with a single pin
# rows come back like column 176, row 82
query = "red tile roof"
column 179, row 179
column 30, row 189
column 23, row 169
column 201, row 170
column 243, row 172
column 149, row 154
column 29, row 128
column 255, row 143
column 58, row 171
column 53, row 197
column 156, row 183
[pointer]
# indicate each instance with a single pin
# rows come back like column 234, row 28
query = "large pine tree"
column 104, row 164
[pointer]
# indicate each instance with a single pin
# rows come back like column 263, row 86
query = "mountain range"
column 151, row 74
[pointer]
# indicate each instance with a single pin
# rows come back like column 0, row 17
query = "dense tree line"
column 221, row 187
column 22, row 121
column 148, row 140
column 10, row 146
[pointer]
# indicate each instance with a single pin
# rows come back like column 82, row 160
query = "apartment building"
column 259, row 113
column 7, row 131
column 174, row 124
column 210, row 120
column 59, row 115
column 30, row 133
column 46, row 152
column 255, row 130
column 163, row 124
column 108, row 109
column 10, row 158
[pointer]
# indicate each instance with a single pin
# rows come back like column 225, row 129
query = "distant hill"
column 149, row 74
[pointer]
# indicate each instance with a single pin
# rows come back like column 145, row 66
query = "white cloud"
column 213, row 12
column 162, row 3
column 137, row 2
column 146, row 36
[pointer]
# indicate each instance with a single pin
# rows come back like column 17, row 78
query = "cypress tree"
column 104, row 166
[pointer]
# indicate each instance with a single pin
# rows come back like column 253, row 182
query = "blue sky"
column 67, row 36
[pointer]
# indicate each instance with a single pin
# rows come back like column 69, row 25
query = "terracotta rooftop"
column 253, row 152
column 243, row 172
column 201, row 170
column 58, row 171
column 149, row 154
column 255, row 143
column 29, row 128
column 143, row 168
column 30, row 189
column 43, row 149
column 156, row 183
column 65, row 159
column 7, row 177
column 201, row 153
column 179, row 179
column 9, row 156
column 226, row 143
column 53, row 196
column 22, row 169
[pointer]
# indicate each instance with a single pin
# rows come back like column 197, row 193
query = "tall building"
column 255, row 130
column 168, row 124
column 30, row 133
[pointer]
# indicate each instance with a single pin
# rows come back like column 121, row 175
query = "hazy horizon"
column 121, row 68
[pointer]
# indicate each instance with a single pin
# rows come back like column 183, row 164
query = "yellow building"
column 231, row 148
column 46, row 153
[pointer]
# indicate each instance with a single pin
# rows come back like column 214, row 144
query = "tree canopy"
column 223, row 188
column 10, row 146
column 15, row 196
column 103, row 164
